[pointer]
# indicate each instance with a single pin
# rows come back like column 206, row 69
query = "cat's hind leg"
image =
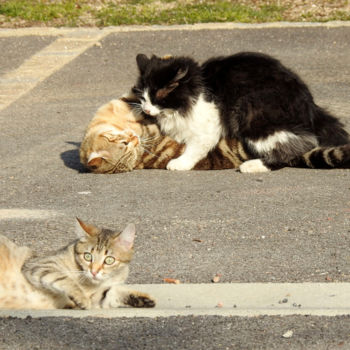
column 277, row 151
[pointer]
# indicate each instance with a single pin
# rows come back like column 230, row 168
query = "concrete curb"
column 5, row 32
column 226, row 299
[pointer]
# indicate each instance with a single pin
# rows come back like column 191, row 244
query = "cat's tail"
column 326, row 158
column 329, row 130
column 12, row 258
column 15, row 291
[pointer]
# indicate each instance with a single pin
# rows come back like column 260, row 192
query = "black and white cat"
column 250, row 96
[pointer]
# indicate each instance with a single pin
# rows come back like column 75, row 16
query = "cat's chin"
column 94, row 279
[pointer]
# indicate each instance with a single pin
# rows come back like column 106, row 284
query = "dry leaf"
column 171, row 280
column 216, row 278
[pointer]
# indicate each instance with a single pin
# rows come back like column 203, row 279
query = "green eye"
column 109, row 260
column 88, row 256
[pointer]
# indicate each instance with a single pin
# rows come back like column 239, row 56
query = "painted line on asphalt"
column 224, row 299
column 26, row 214
column 44, row 63
column 72, row 42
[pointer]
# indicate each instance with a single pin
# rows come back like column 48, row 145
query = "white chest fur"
column 202, row 122
column 200, row 130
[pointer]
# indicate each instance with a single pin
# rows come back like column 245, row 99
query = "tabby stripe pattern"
column 327, row 157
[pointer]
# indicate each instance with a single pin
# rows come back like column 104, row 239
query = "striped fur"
column 154, row 150
column 69, row 278
column 326, row 158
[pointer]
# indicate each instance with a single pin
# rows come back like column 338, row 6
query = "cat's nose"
column 147, row 111
column 135, row 140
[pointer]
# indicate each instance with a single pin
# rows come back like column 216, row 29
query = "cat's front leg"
column 65, row 291
column 118, row 296
column 194, row 152
column 181, row 164
column 139, row 299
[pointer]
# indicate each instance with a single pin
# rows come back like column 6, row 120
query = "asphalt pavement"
column 287, row 226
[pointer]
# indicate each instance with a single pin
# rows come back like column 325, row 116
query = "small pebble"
column 288, row 334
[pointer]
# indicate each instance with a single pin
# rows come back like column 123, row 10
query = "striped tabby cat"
column 120, row 138
column 86, row 274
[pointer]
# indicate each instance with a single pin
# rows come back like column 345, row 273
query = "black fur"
column 157, row 73
column 256, row 97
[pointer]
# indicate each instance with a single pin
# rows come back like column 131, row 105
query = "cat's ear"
column 181, row 73
column 87, row 229
column 126, row 239
column 95, row 159
column 142, row 62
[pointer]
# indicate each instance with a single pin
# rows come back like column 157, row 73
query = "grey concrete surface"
column 223, row 299
column 290, row 225
column 190, row 332
column 17, row 49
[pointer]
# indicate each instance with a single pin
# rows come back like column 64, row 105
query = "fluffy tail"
column 326, row 158
column 15, row 291
column 329, row 130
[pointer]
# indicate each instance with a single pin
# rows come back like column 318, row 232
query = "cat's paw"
column 253, row 166
column 181, row 164
column 80, row 301
column 138, row 299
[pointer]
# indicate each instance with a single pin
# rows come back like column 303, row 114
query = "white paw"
column 180, row 164
column 253, row 166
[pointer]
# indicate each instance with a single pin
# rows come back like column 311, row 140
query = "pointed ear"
column 86, row 229
column 126, row 239
column 95, row 159
column 181, row 73
column 142, row 62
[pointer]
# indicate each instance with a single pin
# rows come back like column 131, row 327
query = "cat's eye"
column 88, row 256
column 109, row 260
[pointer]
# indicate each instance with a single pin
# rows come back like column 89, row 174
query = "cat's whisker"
column 149, row 152
column 149, row 138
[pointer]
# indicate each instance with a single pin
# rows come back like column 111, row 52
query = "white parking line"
column 25, row 214
column 224, row 299
column 44, row 63
column 73, row 42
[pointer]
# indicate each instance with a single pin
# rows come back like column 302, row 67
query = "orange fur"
column 15, row 291
column 147, row 147
column 113, row 126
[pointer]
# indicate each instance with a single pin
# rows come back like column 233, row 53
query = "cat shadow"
column 71, row 158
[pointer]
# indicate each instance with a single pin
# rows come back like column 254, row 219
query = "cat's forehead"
column 105, row 239
column 102, row 240
column 161, row 71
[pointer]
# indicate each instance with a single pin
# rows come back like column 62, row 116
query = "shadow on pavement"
column 71, row 158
